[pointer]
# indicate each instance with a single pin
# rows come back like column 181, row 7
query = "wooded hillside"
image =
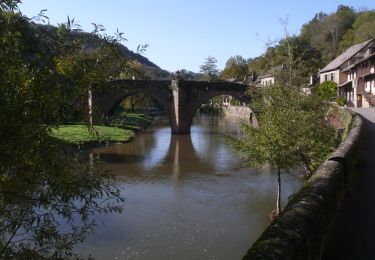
column 320, row 40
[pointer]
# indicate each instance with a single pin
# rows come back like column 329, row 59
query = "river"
column 187, row 197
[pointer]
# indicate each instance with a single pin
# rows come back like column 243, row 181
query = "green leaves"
column 292, row 130
column 43, row 72
column 235, row 67
column 327, row 90
column 209, row 69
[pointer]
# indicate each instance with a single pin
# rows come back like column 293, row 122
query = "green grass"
column 80, row 134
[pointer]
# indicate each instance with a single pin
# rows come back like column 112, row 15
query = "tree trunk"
column 308, row 170
column 133, row 104
column 90, row 106
column 278, row 205
column 305, row 162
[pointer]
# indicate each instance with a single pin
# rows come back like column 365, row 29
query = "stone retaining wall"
column 238, row 111
column 300, row 230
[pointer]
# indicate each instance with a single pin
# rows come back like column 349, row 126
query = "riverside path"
column 353, row 232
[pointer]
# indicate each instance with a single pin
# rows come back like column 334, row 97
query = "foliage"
column 327, row 90
column 235, row 67
column 137, row 100
column 188, row 75
column 324, row 32
column 209, row 69
column 340, row 100
column 361, row 30
column 292, row 130
column 40, row 187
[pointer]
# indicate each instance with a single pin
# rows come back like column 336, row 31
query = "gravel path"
column 353, row 235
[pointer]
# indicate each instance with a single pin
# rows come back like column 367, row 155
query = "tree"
column 292, row 130
column 235, row 67
column 327, row 90
column 91, row 61
column 362, row 29
column 40, row 186
column 324, row 32
column 209, row 69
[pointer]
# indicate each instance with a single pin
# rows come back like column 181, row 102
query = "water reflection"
column 187, row 197
column 46, row 209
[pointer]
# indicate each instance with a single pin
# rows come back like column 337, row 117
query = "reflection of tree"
column 46, row 212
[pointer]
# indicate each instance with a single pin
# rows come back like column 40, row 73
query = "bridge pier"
column 180, row 114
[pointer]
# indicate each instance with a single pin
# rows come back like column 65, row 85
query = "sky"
column 183, row 33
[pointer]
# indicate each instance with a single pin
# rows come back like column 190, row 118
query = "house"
column 266, row 80
column 353, row 71
column 270, row 78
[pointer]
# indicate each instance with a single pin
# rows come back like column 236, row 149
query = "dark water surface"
column 187, row 197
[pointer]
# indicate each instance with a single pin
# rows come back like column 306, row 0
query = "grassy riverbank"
column 122, row 129
column 81, row 134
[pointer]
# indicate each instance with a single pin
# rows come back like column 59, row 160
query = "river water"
column 187, row 197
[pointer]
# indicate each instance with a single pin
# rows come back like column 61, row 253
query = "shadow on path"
column 353, row 234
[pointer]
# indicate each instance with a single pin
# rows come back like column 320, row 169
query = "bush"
column 341, row 101
column 327, row 90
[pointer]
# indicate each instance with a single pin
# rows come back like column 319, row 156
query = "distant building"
column 353, row 71
column 270, row 78
column 267, row 80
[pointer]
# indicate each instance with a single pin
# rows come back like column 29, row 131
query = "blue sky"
column 182, row 33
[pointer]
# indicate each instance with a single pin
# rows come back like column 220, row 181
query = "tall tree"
column 209, row 69
column 292, row 130
column 235, row 67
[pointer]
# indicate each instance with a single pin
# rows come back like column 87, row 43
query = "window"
column 325, row 77
column 333, row 76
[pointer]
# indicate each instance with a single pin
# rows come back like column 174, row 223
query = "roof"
column 271, row 73
column 359, row 62
column 336, row 63
column 266, row 76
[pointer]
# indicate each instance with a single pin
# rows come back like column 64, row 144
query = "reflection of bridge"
column 160, row 154
column 179, row 98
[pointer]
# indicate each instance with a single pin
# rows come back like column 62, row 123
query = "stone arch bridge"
column 179, row 98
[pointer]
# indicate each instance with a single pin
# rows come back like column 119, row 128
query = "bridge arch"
column 108, row 98
column 179, row 98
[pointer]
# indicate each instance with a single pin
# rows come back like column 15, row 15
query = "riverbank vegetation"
column 122, row 128
column 293, row 130
column 44, row 72
column 83, row 135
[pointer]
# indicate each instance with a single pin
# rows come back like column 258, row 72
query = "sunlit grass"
column 79, row 134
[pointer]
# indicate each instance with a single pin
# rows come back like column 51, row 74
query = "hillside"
column 142, row 65
column 320, row 40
